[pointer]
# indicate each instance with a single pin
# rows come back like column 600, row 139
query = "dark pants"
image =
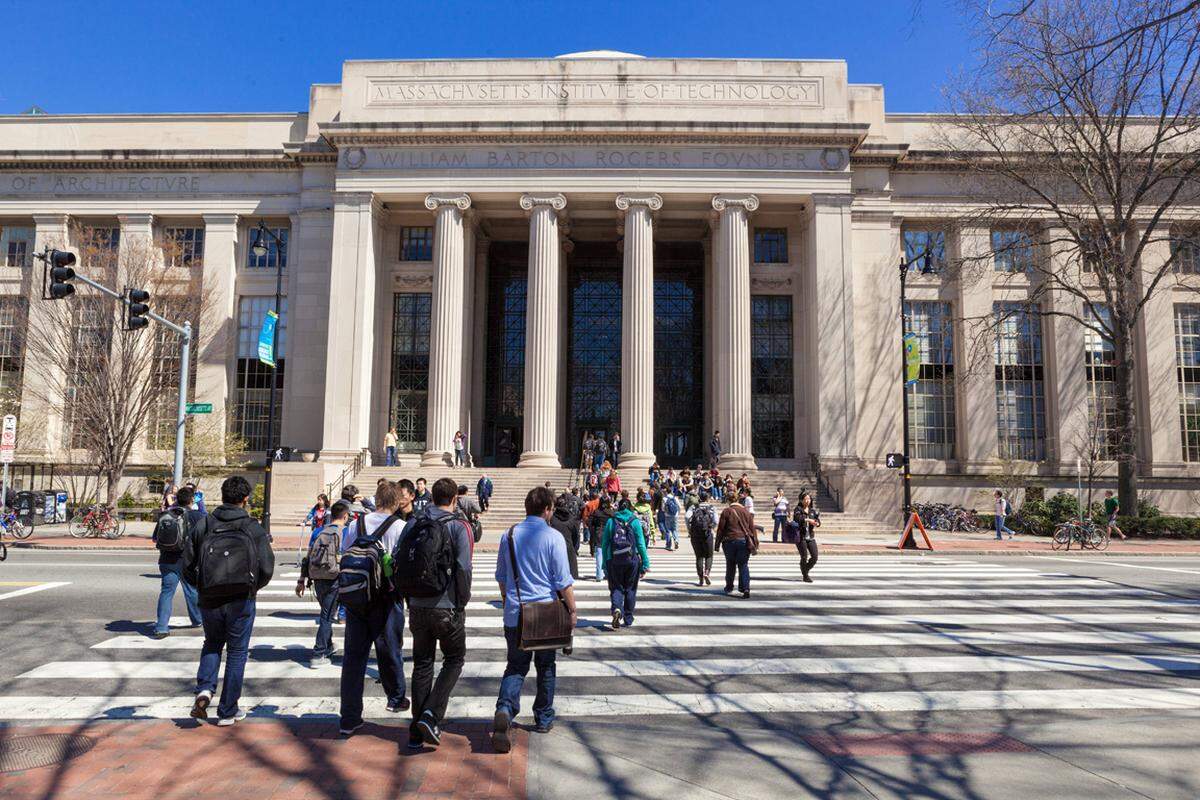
column 172, row 579
column 382, row 625
column 703, row 548
column 327, row 594
column 616, row 459
column 514, row 678
column 431, row 628
column 229, row 626
column 808, row 554
column 737, row 559
column 622, row 586
column 483, row 501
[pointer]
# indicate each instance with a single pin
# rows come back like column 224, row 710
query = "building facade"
column 530, row 250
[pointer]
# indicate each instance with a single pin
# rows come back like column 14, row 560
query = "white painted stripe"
column 478, row 707
column 1108, row 563
column 781, row 569
column 31, row 589
column 605, row 640
column 653, row 580
column 576, row 668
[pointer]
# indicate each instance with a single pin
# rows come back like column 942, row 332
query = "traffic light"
column 138, row 308
column 895, row 460
column 60, row 262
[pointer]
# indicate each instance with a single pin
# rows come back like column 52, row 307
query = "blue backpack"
column 671, row 505
column 623, row 545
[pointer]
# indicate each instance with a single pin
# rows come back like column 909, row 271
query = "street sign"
column 8, row 439
column 199, row 408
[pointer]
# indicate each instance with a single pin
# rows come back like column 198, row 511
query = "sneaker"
column 616, row 620
column 317, row 663
column 349, row 731
column 429, row 729
column 225, row 722
column 746, row 595
column 707, row 580
column 403, row 704
column 160, row 634
column 200, row 707
column 544, row 727
column 414, row 740
column 807, row 579
column 500, row 724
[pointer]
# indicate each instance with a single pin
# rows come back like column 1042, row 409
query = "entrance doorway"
column 678, row 353
column 504, row 369
column 594, row 349
column 409, row 396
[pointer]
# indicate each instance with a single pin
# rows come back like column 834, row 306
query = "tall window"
column 100, row 245
column 252, row 390
column 416, row 244
column 1012, row 251
column 921, row 241
column 1186, row 247
column 12, row 351
column 1099, row 358
column 1187, row 359
column 931, row 414
column 16, row 246
column 504, row 369
column 410, row 369
column 91, row 333
column 275, row 256
column 1020, row 387
column 185, row 246
column 164, row 375
column 772, row 399
column 770, row 246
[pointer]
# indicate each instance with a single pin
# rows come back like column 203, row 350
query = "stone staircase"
column 512, row 484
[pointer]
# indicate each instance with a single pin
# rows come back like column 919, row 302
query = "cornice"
column 63, row 160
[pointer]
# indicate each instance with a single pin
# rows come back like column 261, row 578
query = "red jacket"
column 612, row 484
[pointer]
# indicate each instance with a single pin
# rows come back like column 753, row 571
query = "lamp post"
column 260, row 248
column 926, row 269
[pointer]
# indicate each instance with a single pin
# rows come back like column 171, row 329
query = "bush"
column 256, row 501
column 1062, row 507
column 127, row 500
column 1160, row 526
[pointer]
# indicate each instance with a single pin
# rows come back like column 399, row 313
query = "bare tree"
column 110, row 383
column 1080, row 128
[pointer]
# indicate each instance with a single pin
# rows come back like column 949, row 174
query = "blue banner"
column 266, row 339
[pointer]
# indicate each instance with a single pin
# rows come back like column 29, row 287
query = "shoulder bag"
column 545, row 625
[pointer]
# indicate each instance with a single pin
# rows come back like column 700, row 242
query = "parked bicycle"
column 945, row 517
column 12, row 525
column 1086, row 534
column 96, row 521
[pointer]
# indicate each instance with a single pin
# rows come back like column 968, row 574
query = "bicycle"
column 97, row 520
column 1086, row 534
column 13, row 526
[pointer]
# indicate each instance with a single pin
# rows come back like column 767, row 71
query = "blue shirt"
column 541, row 560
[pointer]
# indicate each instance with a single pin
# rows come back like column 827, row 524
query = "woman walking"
column 809, row 519
column 738, row 539
column 612, row 483
column 626, row 560
column 318, row 515
column 645, row 510
column 460, row 449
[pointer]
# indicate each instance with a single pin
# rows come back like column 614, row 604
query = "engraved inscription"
column 53, row 183
column 702, row 158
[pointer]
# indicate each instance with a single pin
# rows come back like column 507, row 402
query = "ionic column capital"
column 556, row 201
column 434, row 202
column 652, row 201
column 748, row 202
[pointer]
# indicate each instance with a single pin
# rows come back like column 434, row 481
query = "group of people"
column 391, row 441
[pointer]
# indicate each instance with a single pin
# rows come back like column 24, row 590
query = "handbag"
column 544, row 625
column 791, row 532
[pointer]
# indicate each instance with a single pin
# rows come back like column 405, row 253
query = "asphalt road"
column 952, row 691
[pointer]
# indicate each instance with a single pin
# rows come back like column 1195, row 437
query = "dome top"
column 600, row 54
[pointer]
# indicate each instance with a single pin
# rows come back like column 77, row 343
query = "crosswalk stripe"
column 575, row 668
column 41, row 587
column 478, row 707
column 653, row 581
column 1100, row 591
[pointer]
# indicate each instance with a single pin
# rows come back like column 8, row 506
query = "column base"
column 636, row 461
column 532, row 458
column 737, row 462
column 436, row 458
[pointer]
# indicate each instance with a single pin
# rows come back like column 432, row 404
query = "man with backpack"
column 374, row 614
column 596, row 524
column 431, row 569
column 566, row 522
column 701, row 523
column 670, row 515
column 470, row 511
column 231, row 559
column 319, row 569
column 172, row 538
column 626, row 560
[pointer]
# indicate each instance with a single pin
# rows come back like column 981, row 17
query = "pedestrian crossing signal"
column 895, row 460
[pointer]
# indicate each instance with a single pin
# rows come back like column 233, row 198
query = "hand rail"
column 336, row 485
column 823, row 482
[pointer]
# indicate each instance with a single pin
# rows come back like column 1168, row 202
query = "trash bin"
column 31, row 508
column 60, row 507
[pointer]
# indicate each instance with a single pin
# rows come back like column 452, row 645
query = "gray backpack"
column 323, row 553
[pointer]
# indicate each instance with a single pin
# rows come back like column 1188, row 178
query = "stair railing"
column 334, row 488
column 823, row 482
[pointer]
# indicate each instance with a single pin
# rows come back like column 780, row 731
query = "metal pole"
column 185, row 352
column 904, row 395
column 271, row 443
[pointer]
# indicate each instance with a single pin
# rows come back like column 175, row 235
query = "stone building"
column 527, row 250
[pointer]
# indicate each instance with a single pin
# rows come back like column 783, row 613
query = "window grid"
column 772, row 396
column 252, row 389
column 12, row 351
column 770, row 246
column 1187, row 359
column 1100, row 357
column 931, row 402
column 91, row 329
column 164, row 374
column 100, row 243
column 186, row 246
column 16, row 246
column 1012, row 251
column 275, row 256
column 416, row 243
column 411, row 314
column 919, row 241
column 1020, row 385
column 1186, row 248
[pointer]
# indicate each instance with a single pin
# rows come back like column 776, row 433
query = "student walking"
column 616, row 449
column 172, row 536
column 231, row 561
column 701, row 525
column 808, row 518
column 1002, row 510
column 626, row 560
column 779, row 513
column 319, row 570
column 1112, row 508
column 670, row 517
column 596, row 524
column 714, row 450
column 531, row 567
column 566, row 522
column 483, row 490
column 432, row 570
column 738, row 540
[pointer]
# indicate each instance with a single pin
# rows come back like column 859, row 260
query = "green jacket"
column 636, row 525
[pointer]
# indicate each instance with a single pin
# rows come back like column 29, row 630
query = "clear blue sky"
column 213, row 55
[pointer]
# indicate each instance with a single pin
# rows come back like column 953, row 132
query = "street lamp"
column 260, row 248
column 926, row 261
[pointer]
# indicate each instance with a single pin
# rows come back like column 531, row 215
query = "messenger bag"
column 544, row 625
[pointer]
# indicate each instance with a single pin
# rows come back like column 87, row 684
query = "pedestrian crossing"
column 872, row 634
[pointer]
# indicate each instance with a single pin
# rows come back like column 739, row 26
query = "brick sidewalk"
column 268, row 758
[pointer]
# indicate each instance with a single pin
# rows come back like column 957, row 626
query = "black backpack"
column 702, row 522
column 423, row 561
column 170, row 533
column 360, row 571
column 228, row 561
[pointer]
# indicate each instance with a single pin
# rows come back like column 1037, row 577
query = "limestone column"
column 479, row 356
column 216, row 343
column 1160, row 450
column 1066, row 379
column 975, row 372
column 731, row 250
column 446, row 328
column 637, row 330
column 40, row 432
column 542, row 331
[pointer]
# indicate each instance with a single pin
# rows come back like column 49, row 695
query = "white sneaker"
column 225, row 722
column 317, row 663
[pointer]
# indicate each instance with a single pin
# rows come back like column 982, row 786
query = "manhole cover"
column 31, row 752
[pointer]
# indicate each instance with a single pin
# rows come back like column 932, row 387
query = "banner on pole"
column 266, row 339
column 912, row 359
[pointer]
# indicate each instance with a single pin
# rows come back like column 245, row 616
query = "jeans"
column 616, row 459
column 391, row 456
column 172, row 577
column 515, row 671
column 460, row 459
column 483, row 501
column 430, row 628
column 737, row 559
column 671, row 534
column 599, row 562
column 779, row 522
column 808, row 554
column 382, row 625
column 327, row 594
column 622, row 586
column 1001, row 527
column 229, row 626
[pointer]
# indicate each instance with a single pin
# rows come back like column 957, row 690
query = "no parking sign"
column 8, row 439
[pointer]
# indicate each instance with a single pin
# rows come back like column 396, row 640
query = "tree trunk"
column 1126, row 407
column 112, row 479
